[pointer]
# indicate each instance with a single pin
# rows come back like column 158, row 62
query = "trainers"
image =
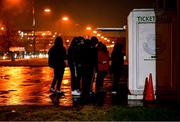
column 91, row 93
column 60, row 93
column 76, row 92
column 52, row 90
column 57, row 91
column 114, row 92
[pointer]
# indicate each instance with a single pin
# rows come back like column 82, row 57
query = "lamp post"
column 64, row 22
column 46, row 10
column 88, row 31
column 65, row 18
column 33, row 27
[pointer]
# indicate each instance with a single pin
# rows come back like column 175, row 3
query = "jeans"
column 58, row 76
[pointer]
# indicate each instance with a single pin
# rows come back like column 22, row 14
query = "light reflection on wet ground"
column 23, row 85
column 30, row 86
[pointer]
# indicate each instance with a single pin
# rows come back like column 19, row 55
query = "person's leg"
column 98, row 81
column 79, row 77
column 60, row 77
column 90, row 78
column 93, row 77
column 116, row 79
column 99, row 88
column 86, row 84
column 54, row 79
column 73, row 78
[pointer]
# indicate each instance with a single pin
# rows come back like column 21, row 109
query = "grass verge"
column 88, row 113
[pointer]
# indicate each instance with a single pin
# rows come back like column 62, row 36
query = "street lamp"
column 33, row 27
column 95, row 32
column 88, row 28
column 65, row 18
column 2, row 28
column 88, row 31
column 64, row 25
column 46, row 10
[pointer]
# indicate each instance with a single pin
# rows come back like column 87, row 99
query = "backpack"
column 50, row 61
column 51, row 58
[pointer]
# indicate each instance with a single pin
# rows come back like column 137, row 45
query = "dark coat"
column 57, row 55
column 117, row 59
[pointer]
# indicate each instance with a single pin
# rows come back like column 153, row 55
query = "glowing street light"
column 65, row 18
column 95, row 32
column 47, row 10
column 102, row 37
column 2, row 28
column 13, row 3
column 88, row 32
column 33, row 25
column 88, row 28
column 65, row 23
column 43, row 34
column 98, row 35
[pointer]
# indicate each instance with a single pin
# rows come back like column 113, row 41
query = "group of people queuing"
column 88, row 60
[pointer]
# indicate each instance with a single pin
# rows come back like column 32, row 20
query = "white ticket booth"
column 152, row 48
column 141, row 50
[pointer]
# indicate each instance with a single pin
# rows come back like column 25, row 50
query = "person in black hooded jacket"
column 89, row 64
column 116, row 67
column 56, row 60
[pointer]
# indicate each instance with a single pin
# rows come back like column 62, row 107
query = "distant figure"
column 56, row 60
column 116, row 65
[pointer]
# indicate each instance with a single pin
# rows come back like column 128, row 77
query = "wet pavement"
column 30, row 86
column 25, row 85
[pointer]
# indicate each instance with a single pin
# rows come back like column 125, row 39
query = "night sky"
column 95, row 13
